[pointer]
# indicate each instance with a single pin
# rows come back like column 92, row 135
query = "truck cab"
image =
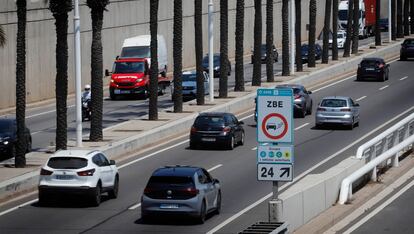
column 366, row 16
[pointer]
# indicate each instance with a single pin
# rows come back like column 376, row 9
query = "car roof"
column 7, row 120
column 175, row 171
column 336, row 97
column 214, row 114
column 290, row 86
column 131, row 60
column 372, row 59
column 75, row 153
column 189, row 72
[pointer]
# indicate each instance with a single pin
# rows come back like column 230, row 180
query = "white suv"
column 79, row 172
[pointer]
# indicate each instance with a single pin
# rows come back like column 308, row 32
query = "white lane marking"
column 301, row 126
column 215, row 167
column 46, row 112
column 17, row 207
column 254, row 148
column 34, row 133
column 382, row 88
column 134, row 206
column 359, row 99
column 332, row 84
column 303, row 174
column 405, row 77
column 379, row 208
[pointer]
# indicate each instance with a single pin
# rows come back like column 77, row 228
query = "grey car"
column 185, row 190
column 302, row 100
column 337, row 110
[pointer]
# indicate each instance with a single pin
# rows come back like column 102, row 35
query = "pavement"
column 140, row 134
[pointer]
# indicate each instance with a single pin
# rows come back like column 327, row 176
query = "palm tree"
column 355, row 27
column 198, row 36
column 153, row 89
column 177, row 54
column 97, row 13
column 412, row 16
column 326, row 29
column 377, row 19
column 312, row 33
column 60, row 9
column 393, row 21
column 269, row 41
column 406, row 22
column 224, row 11
column 2, row 37
column 400, row 32
column 285, row 38
column 335, row 30
column 347, row 46
column 257, row 66
column 20, row 150
column 239, row 41
column 298, row 35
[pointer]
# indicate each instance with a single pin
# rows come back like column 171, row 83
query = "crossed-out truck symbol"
column 273, row 126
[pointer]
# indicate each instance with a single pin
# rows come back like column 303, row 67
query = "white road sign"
column 274, row 172
column 274, row 154
column 275, row 115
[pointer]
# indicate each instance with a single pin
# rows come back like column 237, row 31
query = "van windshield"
column 136, row 52
column 343, row 14
column 129, row 67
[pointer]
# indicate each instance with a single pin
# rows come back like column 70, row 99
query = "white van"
column 139, row 47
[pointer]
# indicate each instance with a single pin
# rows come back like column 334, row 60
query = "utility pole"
column 78, row 79
column 211, row 49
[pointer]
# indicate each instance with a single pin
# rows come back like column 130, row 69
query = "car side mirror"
column 309, row 92
column 356, row 104
column 216, row 181
column 107, row 73
column 112, row 162
column 241, row 122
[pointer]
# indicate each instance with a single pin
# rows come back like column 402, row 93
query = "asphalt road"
column 314, row 151
column 42, row 121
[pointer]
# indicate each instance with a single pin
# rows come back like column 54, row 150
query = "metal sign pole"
column 78, row 82
column 275, row 205
column 211, row 49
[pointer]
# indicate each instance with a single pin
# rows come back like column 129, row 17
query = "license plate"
column 64, row 177
column 169, row 206
column 118, row 91
column 208, row 139
column 370, row 69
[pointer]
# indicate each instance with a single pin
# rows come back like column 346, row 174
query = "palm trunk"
column 2, row 37
column 347, row 46
column 224, row 11
column 269, row 41
column 400, row 31
column 97, row 14
column 312, row 33
column 177, row 54
column 285, row 38
column 406, row 15
column 198, row 36
column 20, row 159
column 412, row 16
column 377, row 19
column 335, row 30
column 355, row 29
column 257, row 66
column 298, row 35
column 393, row 21
column 153, row 86
column 327, row 23
column 239, row 41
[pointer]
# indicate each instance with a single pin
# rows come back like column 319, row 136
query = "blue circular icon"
column 279, row 154
column 271, row 154
column 263, row 154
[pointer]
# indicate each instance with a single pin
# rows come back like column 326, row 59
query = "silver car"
column 302, row 99
column 181, row 190
column 189, row 84
column 337, row 110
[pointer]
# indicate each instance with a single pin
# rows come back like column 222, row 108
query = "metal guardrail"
column 378, row 150
column 266, row 228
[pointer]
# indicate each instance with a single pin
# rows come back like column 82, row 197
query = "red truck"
column 366, row 16
column 130, row 76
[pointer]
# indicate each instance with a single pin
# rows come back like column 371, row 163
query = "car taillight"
column 346, row 110
column 321, row 109
column 45, row 172
column 226, row 129
column 147, row 190
column 86, row 173
column 192, row 191
column 297, row 96
column 380, row 65
column 193, row 129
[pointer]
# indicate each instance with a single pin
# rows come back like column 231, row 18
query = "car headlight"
column 138, row 80
column 216, row 68
column 6, row 142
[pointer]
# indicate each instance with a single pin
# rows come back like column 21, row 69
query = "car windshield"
column 129, row 67
column 333, row 103
column 136, row 52
column 304, row 48
column 5, row 126
column 343, row 14
column 67, row 163
column 171, row 180
column 209, row 120
column 189, row 77
column 340, row 36
column 216, row 60
column 369, row 63
column 409, row 42
column 295, row 89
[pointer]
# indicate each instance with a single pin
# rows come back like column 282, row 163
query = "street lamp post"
column 211, row 49
column 389, row 21
column 292, row 37
column 78, row 82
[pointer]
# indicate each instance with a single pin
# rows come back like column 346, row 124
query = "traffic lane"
column 396, row 217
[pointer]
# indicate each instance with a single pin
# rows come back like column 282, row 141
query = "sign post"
column 275, row 155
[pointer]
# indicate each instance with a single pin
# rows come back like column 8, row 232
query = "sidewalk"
column 139, row 135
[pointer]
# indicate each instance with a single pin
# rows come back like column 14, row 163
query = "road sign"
column 275, row 115
column 274, row 154
column 274, row 172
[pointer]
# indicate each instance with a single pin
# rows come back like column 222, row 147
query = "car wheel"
column 202, row 216
column 113, row 193
column 383, row 77
column 41, row 199
column 302, row 114
column 402, row 58
column 358, row 78
column 12, row 151
column 29, row 146
column 96, row 199
column 230, row 144
column 309, row 111
column 218, row 205
column 351, row 126
column 241, row 142
column 112, row 95
column 318, row 126
column 193, row 145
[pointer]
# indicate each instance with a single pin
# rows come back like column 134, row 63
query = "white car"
column 340, row 40
column 78, row 172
